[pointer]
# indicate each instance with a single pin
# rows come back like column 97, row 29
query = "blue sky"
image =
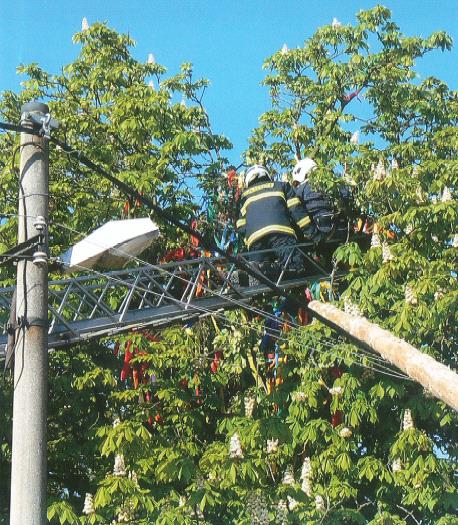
column 226, row 40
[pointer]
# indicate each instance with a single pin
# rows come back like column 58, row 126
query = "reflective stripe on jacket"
column 263, row 210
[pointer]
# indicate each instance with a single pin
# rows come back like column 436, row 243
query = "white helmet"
column 254, row 172
column 303, row 169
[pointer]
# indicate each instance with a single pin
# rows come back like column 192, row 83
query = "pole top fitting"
column 37, row 115
column 35, row 107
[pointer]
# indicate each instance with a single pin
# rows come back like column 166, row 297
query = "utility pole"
column 432, row 375
column 29, row 454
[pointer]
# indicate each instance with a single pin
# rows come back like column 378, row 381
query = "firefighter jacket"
column 312, row 211
column 263, row 210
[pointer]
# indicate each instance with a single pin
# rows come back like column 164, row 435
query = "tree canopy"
column 215, row 434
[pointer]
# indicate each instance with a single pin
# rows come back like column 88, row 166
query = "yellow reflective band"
column 264, row 195
column 293, row 202
column 240, row 222
column 304, row 222
column 272, row 228
column 250, row 191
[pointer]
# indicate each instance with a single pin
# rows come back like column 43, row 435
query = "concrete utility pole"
column 29, row 456
column 435, row 377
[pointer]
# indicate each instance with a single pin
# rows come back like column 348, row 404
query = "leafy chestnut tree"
column 217, row 423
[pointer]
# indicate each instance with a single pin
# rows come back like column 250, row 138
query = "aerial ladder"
column 103, row 304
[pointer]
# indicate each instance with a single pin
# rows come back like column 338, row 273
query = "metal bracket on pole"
column 23, row 250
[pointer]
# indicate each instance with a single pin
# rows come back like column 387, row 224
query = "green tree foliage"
column 338, row 438
column 126, row 116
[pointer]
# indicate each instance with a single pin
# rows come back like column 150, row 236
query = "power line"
column 236, row 260
column 265, row 315
column 376, row 365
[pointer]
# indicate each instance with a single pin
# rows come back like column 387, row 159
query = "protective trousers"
column 282, row 244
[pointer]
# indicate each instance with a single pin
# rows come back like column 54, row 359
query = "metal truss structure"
column 104, row 304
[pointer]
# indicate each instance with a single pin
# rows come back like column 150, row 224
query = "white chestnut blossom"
column 126, row 514
column 407, row 421
column 420, row 196
column 352, row 309
column 439, row 294
column 379, row 172
column 336, row 23
column 410, row 296
column 387, row 254
column 354, row 138
column 257, row 508
column 282, row 512
column 375, row 240
column 336, row 390
column 288, row 478
column 249, row 404
column 319, row 503
column 119, row 468
column 306, row 476
column 292, row 503
column 88, row 504
column 299, row 397
column 345, row 432
column 409, row 229
column 133, row 477
column 272, row 446
column 446, row 195
column 235, row 447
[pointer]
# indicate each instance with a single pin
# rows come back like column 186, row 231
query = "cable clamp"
column 23, row 322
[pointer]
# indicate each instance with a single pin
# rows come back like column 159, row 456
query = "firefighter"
column 265, row 222
column 311, row 210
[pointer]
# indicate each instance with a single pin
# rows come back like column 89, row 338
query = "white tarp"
column 112, row 245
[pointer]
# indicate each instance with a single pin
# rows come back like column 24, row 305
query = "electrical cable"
column 265, row 315
column 377, row 367
column 237, row 260
column 243, row 305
